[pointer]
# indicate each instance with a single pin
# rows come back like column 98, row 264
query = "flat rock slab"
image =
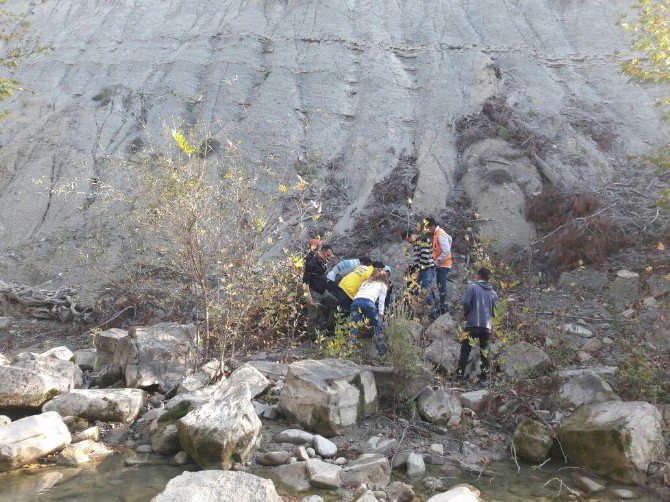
column 158, row 356
column 27, row 439
column 615, row 438
column 323, row 475
column 370, row 468
column 474, row 400
column 209, row 486
column 328, row 395
column 524, row 360
column 586, row 387
column 106, row 405
column 294, row 476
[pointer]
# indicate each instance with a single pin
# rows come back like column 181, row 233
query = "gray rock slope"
column 357, row 86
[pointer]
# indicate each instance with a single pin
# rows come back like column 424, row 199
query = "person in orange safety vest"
column 443, row 260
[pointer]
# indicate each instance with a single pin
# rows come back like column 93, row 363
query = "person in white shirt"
column 369, row 304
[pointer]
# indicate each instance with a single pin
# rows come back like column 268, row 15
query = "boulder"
column 525, row 360
column 615, row 438
column 443, row 354
column 324, row 447
column 585, row 387
column 106, row 405
column 625, row 288
column 399, row 492
column 72, row 457
column 270, row 370
column 584, row 279
column 164, row 437
column 475, row 399
column 84, row 358
column 416, row 467
column 274, row 458
column 328, row 395
column 294, row 476
column 460, row 493
column 105, row 344
column 441, row 328
column 226, row 430
column 201, row 378
column 156, row 357
column 440, row 407
column 386, row 383
column 532, row 440
column 62, row 353
column 369, row 468
column 30, row 438
column 295, row 436
column 31, row 380
column 323, row 475
column 206, row 486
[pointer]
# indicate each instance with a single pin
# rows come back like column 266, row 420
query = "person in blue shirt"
column 345, row 267
column 479, row 304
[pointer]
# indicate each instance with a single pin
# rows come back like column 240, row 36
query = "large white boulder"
column 225, row 431
column 328, row 395
column 27, row 439
column 157, row 357
column 30, row 380
column 615, row 438
column 106, row 405
column 211, row 486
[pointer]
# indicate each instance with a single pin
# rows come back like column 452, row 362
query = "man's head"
column 326, row 252
column 483, row 274
column 429, row 224
column 409, row 236
column 378, row 264
column 365, row 260
column 314, row 245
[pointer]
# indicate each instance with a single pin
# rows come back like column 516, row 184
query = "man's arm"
column 467, row 299
column 445, row 246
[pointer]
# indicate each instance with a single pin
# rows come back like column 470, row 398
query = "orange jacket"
column 437, row 249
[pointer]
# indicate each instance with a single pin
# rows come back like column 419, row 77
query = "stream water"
column 111, row 480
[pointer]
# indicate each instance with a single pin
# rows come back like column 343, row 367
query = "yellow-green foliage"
column 402, row 335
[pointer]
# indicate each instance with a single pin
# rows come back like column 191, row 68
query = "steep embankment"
column 359, row 87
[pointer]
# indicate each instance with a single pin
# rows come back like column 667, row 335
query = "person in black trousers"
column 479, row 304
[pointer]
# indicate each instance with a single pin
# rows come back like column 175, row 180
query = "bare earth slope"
column 357, row 85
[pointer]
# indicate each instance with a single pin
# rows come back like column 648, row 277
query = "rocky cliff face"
column 354, row 88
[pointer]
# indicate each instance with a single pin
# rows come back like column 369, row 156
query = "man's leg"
column 443, row 288
column 370, row 311
column 465, row 354
column 484, row 337
column 329, row 304
column 312, row 317
column 426, row 280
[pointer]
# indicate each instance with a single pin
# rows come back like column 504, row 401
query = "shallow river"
column 112, row 481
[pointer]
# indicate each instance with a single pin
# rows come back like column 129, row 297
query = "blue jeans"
column 443, row 287
column 426, row 280
column 363, row 308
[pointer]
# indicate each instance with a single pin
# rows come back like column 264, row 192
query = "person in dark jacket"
column 321, row 303
column 478, row 303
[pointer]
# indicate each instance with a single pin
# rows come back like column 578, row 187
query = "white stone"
column 460, row 493
column 576, row 329
column 295, row 436
column 323, row 475
column 324, row 447
column 416, row 467
column 302, row 454
column 210, row 486
column 62, row 353
column 71, row 456
column 106, row 405
column 440, row 407
column 30, row 438
column 437, row 449
column 92, row 433
column 381, row 444
column 474, row 399
column 328, row 395
column 201, row 378
column 156, row 356
column 181, row 458
column 586, row 387
column 226, row 430
column 368, row 496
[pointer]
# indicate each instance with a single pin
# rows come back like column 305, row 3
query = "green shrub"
column 402, row 335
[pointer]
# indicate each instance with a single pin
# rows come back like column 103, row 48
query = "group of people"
column 361, row 288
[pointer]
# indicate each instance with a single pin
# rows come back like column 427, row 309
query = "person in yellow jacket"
column 350, row 284
column 442, row 259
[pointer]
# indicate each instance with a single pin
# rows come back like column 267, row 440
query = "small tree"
column 650, row 27
column 214, row 222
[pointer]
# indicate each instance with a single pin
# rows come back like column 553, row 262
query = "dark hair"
column 327, row 247
column 406, row 233
column 484, row 273
column 378, row 264
column 365, row 260
column 430, row 222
